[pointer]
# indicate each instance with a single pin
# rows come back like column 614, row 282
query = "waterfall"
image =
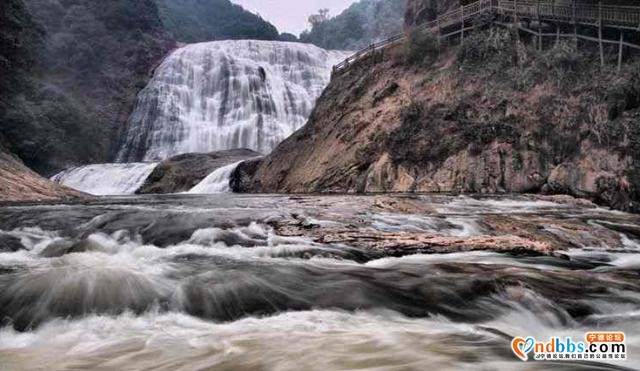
column 226, row 94
column 106, row 179
column 216, row 182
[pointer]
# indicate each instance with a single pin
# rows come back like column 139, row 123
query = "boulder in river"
column 9, row 243
column 183, row 172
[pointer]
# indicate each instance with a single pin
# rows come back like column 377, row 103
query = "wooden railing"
column 621, row 17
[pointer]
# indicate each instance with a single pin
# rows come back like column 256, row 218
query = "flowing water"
column 227, row 94
column 216, row 182
column 106, row 179
column 192, row 282
column 213, row 96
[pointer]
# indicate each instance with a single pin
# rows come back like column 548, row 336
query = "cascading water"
column 224, row 95
column 216, row 182
column 106, row 179
column 208, row 97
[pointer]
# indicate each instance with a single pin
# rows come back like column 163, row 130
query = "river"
column 270, row 282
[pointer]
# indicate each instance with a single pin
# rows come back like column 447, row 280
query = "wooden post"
column 620, row 50
column 372, row 54
column 575, row 25
column 517, row 21
column 438, row 33
column 539, row 27
column 600, row 33
column 462, row 19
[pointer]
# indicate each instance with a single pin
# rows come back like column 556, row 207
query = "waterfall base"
column 106, row 179
column 183, row 172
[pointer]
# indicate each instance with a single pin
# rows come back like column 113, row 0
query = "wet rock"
column 241, row 178
column 10, row 243
column 560, row 233
column 57, row 249
column 403, row 205
column 227, row 237
column 568, row 200
column 60, row 248
column 404, row 243
column 631, row 230
column 183, row 172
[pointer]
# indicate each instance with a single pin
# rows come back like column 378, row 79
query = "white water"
column 216, row 182
column 123, row 302
column 106, row 179
column 227, row 94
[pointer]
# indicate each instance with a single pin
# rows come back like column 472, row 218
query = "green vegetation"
column 81, row 63
column 362, row 23
column 19, row 41
column 549, row 100
column 71, row 69
column 421, row 48
column 204, row 20
column 494, row 49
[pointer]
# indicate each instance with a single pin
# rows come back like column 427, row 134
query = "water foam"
column 216, row 182
column 106, row 179
column 224, row 95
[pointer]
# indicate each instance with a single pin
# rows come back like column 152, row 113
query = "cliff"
column 19, row 183
column 486, row 117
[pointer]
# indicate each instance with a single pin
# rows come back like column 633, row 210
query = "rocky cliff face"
column 484, row 118
column 19, row 183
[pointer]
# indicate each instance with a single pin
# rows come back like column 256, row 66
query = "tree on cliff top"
column 362, row 23
column 205, row 20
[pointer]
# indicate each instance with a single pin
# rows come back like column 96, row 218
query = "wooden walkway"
column 460, row 21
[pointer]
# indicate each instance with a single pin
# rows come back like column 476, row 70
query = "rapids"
column 238, row 282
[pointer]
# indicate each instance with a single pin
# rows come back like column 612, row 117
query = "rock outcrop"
column 485, row 117
column 19, row 183
column 183, row 172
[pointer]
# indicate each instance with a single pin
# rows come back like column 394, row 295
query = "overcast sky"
column 291, row 15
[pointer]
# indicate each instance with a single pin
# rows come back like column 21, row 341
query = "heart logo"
column 522, row 347
column 528, row 346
